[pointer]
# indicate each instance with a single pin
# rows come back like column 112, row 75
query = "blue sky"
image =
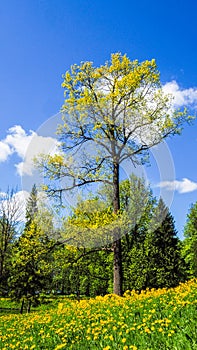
column 40, row 40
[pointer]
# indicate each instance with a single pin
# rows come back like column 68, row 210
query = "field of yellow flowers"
column 153, row 319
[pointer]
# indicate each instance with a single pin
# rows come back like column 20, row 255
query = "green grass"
column 156, row 319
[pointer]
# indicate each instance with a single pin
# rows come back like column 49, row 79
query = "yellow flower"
column 124, row 340
column 147, row 330
column 60, row 346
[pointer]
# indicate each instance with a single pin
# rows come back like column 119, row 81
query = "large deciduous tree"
column 112, row 113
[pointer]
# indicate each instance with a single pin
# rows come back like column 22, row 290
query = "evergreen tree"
column 153, row 259
column 189, row 247
column 31, row 206
column 31, row 258
column 162, row 250
column 30, row 265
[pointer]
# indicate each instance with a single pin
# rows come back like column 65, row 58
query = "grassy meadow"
column 153, row 319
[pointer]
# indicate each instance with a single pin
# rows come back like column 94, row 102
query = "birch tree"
column 10, row 218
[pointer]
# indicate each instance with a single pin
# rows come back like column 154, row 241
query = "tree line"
column 40, row 260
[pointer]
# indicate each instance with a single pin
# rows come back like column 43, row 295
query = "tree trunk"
column 29, row 306
column 117, row 264
column 117, row 267
column 22, row 306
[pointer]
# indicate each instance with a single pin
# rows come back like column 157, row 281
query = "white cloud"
column 26, row 146
column 183, row 186
column 37, row 145
column 182, row 97
column 5, row 151
column 18, row 140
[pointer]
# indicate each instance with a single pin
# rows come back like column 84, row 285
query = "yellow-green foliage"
column 153, row 319
column 120, row 87
column 111, row 113
column 93, row 223
column 31, row 245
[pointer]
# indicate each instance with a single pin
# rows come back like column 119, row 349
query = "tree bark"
column 28, row 306
column 22, row 306
column 117, row 263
